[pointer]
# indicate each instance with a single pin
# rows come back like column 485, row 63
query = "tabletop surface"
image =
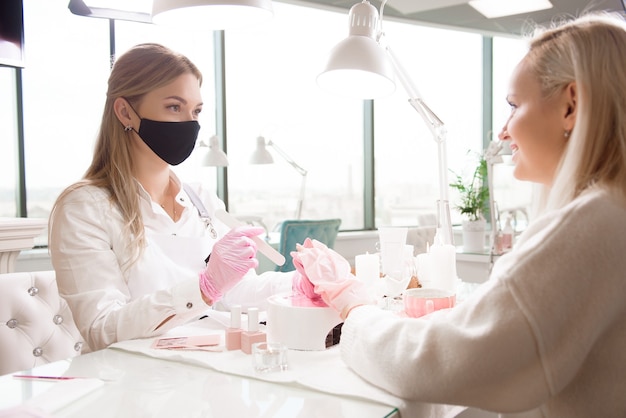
column 132, row 385
column 133, row 379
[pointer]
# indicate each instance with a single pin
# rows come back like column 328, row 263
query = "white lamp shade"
column 261, row 155
column 358, row 66
column 214, row 157
column 212, row 14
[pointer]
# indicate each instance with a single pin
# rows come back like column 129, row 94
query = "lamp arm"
column 439, row 132
column 434, row 123
column 301, row 200
column 492, row 157
column 287, row 158
column 296, row 167
column 492, row 211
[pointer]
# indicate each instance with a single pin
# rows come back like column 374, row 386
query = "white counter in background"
column 17, row 234
column 473, row 267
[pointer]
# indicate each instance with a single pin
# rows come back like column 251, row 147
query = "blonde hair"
column 590, row 51
column 138, row 71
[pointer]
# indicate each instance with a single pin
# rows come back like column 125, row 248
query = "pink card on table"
column 191, row 342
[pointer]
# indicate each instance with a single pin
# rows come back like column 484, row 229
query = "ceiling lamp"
column 498, row 8
column 213, row 14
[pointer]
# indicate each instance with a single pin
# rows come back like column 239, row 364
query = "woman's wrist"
column 346, row 311
column 210, row 295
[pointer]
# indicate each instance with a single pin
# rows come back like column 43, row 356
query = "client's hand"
column 232, row 257
column 330, row 275
column 300, row 284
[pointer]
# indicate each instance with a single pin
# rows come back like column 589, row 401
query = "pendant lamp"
column 213, row 14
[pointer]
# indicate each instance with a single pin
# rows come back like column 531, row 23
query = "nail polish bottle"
column 233, row 333
column 252, row 335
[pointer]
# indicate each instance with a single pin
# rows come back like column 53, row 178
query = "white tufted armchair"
column 421, row 236
column 36, row 325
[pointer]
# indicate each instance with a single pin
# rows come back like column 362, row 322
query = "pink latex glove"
column 232, row 257
column 330, row 275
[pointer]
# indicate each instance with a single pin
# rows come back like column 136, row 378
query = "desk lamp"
column 214, row 157
column 362, row 66
column 262, row 156
column 214, row 14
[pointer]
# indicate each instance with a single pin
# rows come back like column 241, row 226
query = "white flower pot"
column 474, row 236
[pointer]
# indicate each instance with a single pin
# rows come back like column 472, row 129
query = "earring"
column 566, row 134
column 128, row 127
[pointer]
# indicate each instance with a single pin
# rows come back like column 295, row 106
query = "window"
column 446, row 67
column 271, row 91
column 510, row 194
column 8, row 142
column 64, row 82
column 507, row 52
column 64, row 93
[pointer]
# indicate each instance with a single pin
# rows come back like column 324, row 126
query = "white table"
column 129, row 384
column 137, row 380
column 140, row 386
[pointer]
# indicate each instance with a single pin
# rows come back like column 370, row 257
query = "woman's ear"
column 571, row 99
column 123, row 111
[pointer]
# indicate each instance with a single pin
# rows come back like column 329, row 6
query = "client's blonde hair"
column 590, row 51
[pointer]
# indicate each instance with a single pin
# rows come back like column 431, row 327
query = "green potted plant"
column 473, row 205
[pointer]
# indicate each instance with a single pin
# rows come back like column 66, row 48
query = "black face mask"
column 173, row 142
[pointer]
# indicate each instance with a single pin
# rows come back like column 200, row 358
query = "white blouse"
column 112, row 301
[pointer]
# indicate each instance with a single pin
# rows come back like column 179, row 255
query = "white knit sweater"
column 544, row 337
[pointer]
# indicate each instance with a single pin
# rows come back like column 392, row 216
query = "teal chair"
column 295, row 231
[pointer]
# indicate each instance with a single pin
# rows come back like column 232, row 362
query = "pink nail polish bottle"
column 233, row 334
column 252, row 335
